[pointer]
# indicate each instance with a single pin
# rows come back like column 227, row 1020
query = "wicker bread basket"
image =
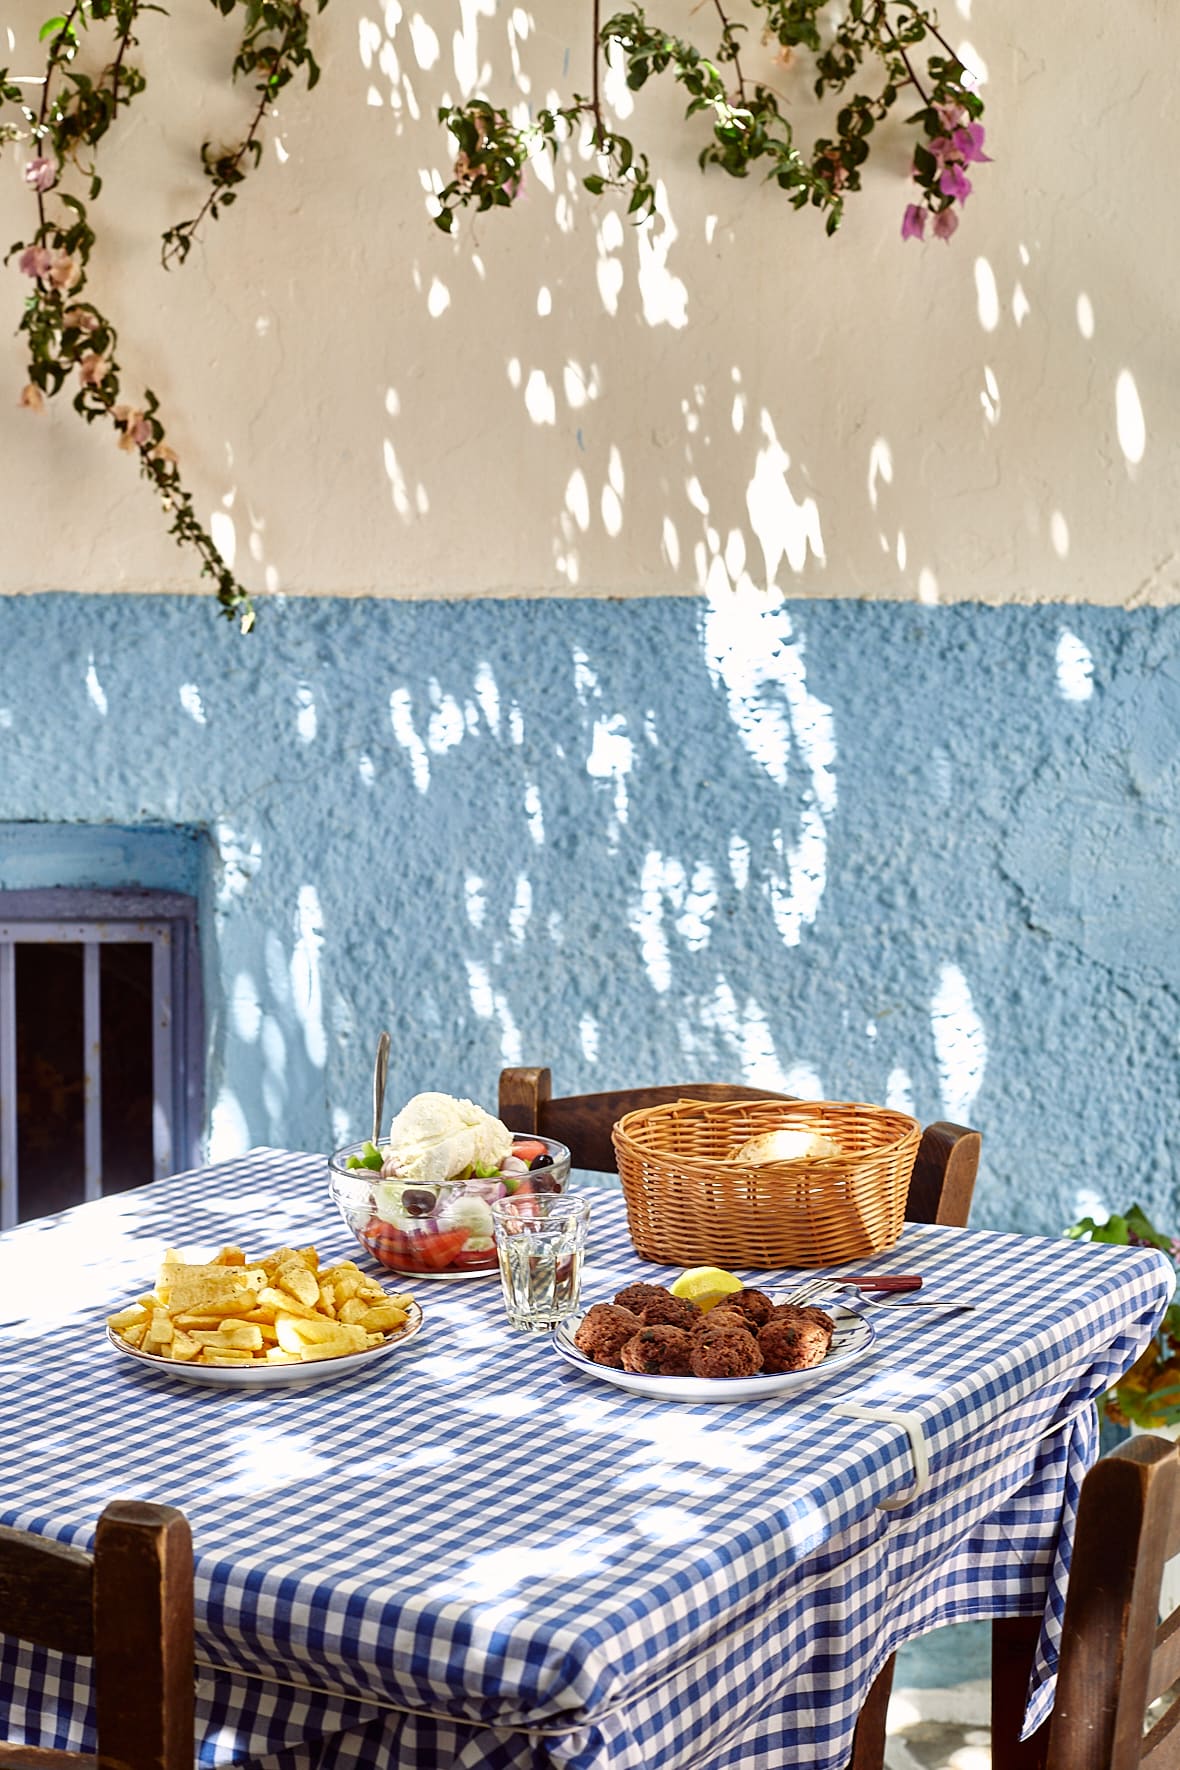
column 690, row 1203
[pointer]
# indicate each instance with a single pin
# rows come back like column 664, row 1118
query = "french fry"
column 382, row 1318
column 197, row 1288
column 302, row 1284
column 283, row 1303
column 332, row 1273
column 216, row 1309
column 285, row 1309
column 319, row 1338
column 273, row 1261
column 137, row 1312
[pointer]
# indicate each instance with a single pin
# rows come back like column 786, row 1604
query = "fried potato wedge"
column 295, row 1278
column 319, row 1338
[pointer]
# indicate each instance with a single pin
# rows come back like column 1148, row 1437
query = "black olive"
column 418, row 1201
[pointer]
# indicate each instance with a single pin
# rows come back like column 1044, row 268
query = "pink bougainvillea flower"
column 166, row 456
column 969, row 143
column 944, row 150
column 32, row 398
column 135, row 431
column 955, row 183
column 92, row 369
column 35, row 261
column 41, row 174
column 64, row 271
column 79, row 319
column 950, row 115
column 945, row 223
column 913, row 222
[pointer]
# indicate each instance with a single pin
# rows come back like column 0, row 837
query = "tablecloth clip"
column 913, row 1426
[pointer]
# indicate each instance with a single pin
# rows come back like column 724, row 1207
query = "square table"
column 474, row 1555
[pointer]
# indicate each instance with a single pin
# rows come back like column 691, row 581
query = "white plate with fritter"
column 851, row 1341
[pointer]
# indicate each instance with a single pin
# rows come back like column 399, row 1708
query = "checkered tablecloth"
column 477, row 1556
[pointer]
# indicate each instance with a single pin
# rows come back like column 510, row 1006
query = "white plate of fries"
column 283, row 1319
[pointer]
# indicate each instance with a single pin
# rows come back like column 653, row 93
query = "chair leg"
column 1014, row 1641
column 868, row 1742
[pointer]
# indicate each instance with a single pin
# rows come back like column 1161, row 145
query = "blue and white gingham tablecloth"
column 476, row 1556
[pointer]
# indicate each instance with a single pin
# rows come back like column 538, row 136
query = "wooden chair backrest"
column 941, row 1187
column 1116, row 1657
column 130, row 1607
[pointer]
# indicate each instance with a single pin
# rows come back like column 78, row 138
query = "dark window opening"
column 100, row 1045
column 50, row 1083
column 126, row 1022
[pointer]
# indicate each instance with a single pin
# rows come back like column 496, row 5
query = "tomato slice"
column 527, row 1149
column 477, row 1260
column 384, row 1242
column 431, row 1253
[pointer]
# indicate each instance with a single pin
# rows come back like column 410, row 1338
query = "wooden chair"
column 940, row 1189
column 1116, row 1657
column 130, row 1607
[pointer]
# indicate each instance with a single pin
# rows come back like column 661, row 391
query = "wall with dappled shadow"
column 698, row 650
column 556, row 402
column 807, row 849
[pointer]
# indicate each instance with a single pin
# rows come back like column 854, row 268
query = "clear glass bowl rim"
column 352, row 1188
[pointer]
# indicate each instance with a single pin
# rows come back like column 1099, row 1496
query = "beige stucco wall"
column 556, row 402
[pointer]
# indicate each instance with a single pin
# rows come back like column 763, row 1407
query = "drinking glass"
column 540, row 1245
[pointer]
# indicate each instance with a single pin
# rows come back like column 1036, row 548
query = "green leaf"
column 53, row 27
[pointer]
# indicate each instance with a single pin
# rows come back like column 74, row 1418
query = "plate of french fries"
column 282, row 1319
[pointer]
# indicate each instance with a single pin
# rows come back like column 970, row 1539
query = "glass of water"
column 540, row 1245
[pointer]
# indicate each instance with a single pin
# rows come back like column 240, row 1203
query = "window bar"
column 163, row 1090
column 9, row 1200
column 92, row 1068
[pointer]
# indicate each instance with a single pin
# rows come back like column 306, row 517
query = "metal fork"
column 821, row 1287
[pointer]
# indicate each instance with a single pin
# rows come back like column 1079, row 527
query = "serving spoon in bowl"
column 380, row 1072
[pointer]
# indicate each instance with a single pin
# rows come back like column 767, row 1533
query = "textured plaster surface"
column 557, row 402
column 925, row 856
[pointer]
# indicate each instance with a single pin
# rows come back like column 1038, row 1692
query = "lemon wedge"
column 705, row 1286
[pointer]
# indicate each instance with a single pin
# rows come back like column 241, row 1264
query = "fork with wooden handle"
column 822, row 1287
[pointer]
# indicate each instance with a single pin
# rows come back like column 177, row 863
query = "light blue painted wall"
column 861, row 849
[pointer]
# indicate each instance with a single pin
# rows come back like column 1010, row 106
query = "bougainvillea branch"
column 67, row 337
column 748, row 125
column 274, row 47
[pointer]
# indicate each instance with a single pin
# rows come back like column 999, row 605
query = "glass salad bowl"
column 438, row 1229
